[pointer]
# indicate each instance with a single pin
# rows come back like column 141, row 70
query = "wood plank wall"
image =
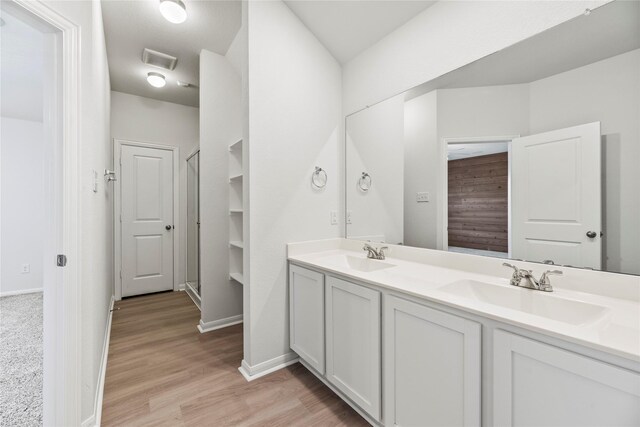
column 478, row 202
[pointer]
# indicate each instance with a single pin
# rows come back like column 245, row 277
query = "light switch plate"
column 26, row 268
column 422, row 197
column 334, row 217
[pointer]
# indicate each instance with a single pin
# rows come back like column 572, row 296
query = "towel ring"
column 364, row 183
column 319, row 178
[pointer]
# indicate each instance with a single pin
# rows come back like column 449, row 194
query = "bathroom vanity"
column 432, row 338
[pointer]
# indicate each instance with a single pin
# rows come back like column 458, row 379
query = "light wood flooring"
column 162, row 371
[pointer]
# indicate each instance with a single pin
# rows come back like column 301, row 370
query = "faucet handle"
column 381, row 254
column 515, row 269
column 545, row 283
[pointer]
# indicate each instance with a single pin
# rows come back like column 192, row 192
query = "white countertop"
column 617, row 332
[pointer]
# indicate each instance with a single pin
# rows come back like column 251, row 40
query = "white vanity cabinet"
column 543, row 385
column 306, row 315
column 353, row 343
column 432, row 365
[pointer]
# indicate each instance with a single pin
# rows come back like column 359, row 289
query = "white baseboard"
column 20, row 292
column 180, row 287
column 251, row 373
column 194, row 296
column 95, row 419
column 219, row 324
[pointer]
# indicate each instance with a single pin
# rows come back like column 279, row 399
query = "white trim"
column 62, row 384
column 443, row 191
column 117, row 248
column 205, row 327
column 20, row 292
column 95, row 418
column 254, row 372
column 197, row 300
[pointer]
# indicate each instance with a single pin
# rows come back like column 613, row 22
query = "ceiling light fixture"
column 156, row 79
column 173, row 11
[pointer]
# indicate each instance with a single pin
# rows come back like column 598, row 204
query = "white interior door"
column 147, row 220
column 556, row 196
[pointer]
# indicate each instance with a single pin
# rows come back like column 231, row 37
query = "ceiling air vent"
column 159, row 59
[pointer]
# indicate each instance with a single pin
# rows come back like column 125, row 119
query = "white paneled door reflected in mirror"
column 531, row 153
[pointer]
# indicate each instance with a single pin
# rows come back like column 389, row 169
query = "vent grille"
column 159, row 59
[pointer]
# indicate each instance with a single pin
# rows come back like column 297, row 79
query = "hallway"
column 161, row 371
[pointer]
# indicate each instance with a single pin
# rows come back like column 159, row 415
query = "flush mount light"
column 173, row 10
column 156, row 79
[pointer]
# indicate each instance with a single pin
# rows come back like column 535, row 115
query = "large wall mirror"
column 531, row 153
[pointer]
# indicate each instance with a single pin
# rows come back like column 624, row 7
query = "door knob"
column 167, row 227
column 591, row 234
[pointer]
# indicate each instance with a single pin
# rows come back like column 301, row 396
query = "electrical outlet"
column 422, row 197
column 26, row 268
column 334, row 217
column 348, row 217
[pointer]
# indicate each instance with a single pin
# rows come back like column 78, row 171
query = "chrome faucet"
column 520, row 275
column 373, row 253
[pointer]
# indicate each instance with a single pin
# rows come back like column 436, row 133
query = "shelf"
column 237, row 277
column 235, row 178
column 237, row 144
column 236, row 244
column 236, row 211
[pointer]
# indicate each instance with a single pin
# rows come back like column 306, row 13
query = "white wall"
column 96, row 237
column 21, row 152
column 375, row 141
column 148, row 120
column 421, row 170
column 294, row 124
column 444, row 37
column 606, row 91
column 220, row 126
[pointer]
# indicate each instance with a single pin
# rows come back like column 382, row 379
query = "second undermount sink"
column 532, row 302
column 359, row 263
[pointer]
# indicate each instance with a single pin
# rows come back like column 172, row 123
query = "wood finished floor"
column 162, row 371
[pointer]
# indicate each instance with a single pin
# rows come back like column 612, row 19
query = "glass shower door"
column 193, row 222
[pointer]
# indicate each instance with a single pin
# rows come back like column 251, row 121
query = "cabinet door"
column 537, row 384
column 432, row 365
column 306, row 315
column 353, row 343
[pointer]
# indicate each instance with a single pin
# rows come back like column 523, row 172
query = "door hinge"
column 61, row 260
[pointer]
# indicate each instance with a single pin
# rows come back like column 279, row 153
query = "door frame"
column 117, row 224
column 62, row 294
column 443, row 192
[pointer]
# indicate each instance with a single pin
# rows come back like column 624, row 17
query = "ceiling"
column 608, row 31
column 348, row 27
column 464, row 151
column 21, row 65
column 132, row 25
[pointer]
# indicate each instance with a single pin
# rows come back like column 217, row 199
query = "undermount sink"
column 357, row 263
column 529, row 301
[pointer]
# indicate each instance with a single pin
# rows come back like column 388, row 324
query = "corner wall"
column 294, row 118
column 220, row 126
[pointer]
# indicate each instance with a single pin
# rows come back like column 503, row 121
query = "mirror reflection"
column 531, row 153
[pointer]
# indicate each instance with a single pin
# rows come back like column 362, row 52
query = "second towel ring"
column 364, row 183
column 319, row 178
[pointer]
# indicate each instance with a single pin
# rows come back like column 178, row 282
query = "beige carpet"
column 21, row 360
